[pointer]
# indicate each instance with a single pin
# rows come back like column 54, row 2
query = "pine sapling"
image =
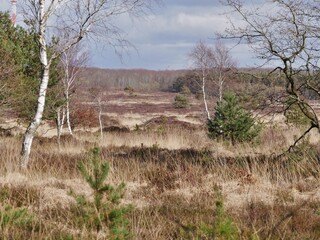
column 107, row 212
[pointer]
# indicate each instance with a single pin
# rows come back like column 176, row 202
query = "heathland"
column 179, row 183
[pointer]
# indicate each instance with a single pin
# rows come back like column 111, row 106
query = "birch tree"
column 76, row 20
column 98, row 98
column 73, row 61
column 288, row 38
column 223, row 64
column 202, row 57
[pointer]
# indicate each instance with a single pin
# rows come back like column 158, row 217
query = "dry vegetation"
column 174, row 179
column 181, row 184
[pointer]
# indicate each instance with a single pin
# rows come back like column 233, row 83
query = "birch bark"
column 59, row 123
column 220, row 82
column 68, row 114
column 32, row 128
column 204, row 97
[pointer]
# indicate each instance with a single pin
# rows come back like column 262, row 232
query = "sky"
column 164, row 37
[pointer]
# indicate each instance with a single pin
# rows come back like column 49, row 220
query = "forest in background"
column 138, row 79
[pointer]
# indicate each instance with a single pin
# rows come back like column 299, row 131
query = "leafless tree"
column 285, row 34
column 202, row 57
column 223, row 65
column 97, row 95
column 73, row 61
column 75, row 20
column 211, row 64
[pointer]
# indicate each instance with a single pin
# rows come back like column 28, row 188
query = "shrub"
column 83, row 115
column 189, row 80
column 129, row 90
column 185, row 91
column 181, row 101
column 232, row 122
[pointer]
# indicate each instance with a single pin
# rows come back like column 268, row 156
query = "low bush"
column 181, row 101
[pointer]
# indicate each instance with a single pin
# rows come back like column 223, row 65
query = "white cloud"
column 195, row 21
column 165, row 37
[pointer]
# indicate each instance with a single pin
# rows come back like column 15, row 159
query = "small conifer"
column 232, row 122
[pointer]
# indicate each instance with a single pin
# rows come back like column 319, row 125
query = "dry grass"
column 172, row 177
column 169, row 138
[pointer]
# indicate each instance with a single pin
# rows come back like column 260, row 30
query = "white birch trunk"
column 221, row 81
column 204, row 97
column 59, row 123
column 67, row 82
column 63, row 118
column 68, row 113
column 32, row 128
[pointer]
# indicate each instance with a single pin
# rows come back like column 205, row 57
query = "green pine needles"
column 232, row 122
column 224, row 227
column 181, row 101
column 104, row 213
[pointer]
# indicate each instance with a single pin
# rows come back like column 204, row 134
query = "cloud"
column 179, row 26
column 165, row 38
column 166, row 35
column 192, row 3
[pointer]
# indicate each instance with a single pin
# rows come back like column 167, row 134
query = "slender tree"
column 97, row 95
column 202, row 57
column 73, row 62
column 223, row 65
column 75, row 20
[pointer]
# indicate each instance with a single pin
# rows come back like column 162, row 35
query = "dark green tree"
column 19, row 70
column 232, row 122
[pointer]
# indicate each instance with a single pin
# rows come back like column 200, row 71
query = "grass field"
column 181, row 184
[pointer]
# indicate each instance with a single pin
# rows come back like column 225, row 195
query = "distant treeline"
column 168, row 80
column 250, row 82
column 138, row 79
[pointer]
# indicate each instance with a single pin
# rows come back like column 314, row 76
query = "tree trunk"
column 59, row 123
column 204, row 98
column 221, row 81
column 68, row 112
column 32, row 128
